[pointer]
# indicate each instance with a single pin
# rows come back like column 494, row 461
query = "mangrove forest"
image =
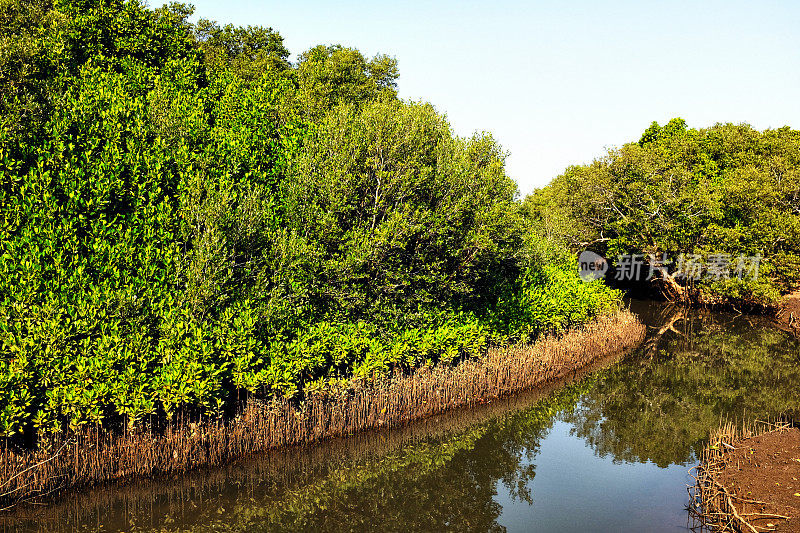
column 215, row 252
column 190, row 221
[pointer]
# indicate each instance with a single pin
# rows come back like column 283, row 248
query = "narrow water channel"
column 608, row 451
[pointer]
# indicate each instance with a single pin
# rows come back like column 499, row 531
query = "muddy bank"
column 788, row 315
column 751, row 482
column 93, row 458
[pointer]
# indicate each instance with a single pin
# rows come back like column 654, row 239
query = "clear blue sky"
column 557, row 82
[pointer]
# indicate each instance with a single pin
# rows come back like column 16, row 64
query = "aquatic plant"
column 93, row 455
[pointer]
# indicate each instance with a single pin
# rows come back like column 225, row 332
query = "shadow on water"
column 608, row 451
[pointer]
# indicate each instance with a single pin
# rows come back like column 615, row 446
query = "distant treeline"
column 714, row 194
column 189, row 219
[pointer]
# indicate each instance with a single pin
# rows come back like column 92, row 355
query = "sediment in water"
column 97, row 456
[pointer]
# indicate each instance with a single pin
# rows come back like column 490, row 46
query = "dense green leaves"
column 726, row 189
column 186, row 220
column 330, row 75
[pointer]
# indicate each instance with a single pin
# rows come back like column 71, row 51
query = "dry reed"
column 96, row 456
column 713, row 506
column 289, row 469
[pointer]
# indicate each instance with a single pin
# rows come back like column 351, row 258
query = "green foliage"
column 330, row 75
column 187, row 219
column 725, row 189
column 549, row 295
column 403, row 214
column 249, row 51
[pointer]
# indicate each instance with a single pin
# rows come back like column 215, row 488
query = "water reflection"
column 608, row 451
column 694, row 369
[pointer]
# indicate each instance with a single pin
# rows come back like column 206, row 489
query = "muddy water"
column 607, row 451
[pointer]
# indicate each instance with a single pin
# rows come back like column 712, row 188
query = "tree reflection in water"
column 655, row 406
column 696, row 369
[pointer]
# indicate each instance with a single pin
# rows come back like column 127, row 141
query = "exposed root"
column 97, row 456
column 712, row 505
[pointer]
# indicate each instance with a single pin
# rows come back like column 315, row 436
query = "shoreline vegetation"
column 711, row 214
column 191, row 222
column 95, row 457
column 208, row 249
column 311, row 477
column 748, row 479
column 788, row 313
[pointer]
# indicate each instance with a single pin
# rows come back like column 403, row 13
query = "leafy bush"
column 186, row 220
column 725, row 189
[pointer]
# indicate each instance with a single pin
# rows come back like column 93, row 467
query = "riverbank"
column 95, row 456
column 290, row 479
column 788, row 315
column 785, row 314
column 750, row 481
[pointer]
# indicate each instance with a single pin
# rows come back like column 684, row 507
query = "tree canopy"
column 188, row 219
column 727, row 189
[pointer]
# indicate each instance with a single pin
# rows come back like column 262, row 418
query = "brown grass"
column 96, row 456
